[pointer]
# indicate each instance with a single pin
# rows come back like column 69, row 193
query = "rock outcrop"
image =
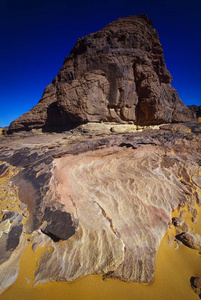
column 102, row 201
column 190, row 240
column 196, row 110
column 121, row 223
column 196, row 281
column 12, row 245
column 116, row 74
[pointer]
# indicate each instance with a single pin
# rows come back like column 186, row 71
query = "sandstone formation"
column 116, row 74
column 120, row 210
column 12, row 245
column 101, row 200
column 191, row 240
column 196, row 110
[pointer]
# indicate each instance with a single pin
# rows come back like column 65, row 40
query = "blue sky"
column 36, row 35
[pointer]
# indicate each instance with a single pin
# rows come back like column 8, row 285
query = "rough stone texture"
column 191, row 240
column 4, row 227
column 114, row 191
column 12, row 245
column 4, row 170
column 115, row 209
column 196, row 281
column 116, row 74
column 196, row 110
column 177, row 221
column 197, row 180
column 58, row 225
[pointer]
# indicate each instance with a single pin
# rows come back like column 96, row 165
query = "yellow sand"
column 8, row 192
column 174, row 269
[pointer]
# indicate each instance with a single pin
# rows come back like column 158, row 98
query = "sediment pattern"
column 12, row 237
column 123, row 201
column 99, row 197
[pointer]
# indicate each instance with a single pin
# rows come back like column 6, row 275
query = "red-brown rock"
column 190, row 240
column 116, row 74
column 196, row 282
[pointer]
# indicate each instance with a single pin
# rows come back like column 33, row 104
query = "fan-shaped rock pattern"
column 116, row 74
column 123, row 198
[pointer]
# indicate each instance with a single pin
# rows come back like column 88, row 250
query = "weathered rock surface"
column 196, row 285
column 114, row 213
column 103, row 200
column 191, row 240
column 4, row 169
column 197, row 180
column 196, row 281
column 196, row 110
column 177, row 221
column 12, row 245
column 116, row 74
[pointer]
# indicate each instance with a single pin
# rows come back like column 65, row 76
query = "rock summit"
column 117, row 74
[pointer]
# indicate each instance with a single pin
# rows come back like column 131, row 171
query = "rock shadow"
column 59, row 121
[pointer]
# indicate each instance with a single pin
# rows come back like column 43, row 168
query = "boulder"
column 177, row 221
column 190, row 240
column 196, row 281
column 116, row 74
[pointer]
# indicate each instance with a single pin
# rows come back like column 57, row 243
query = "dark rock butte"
column 116, row 74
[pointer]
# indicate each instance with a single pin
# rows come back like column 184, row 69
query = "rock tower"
column 117, row 74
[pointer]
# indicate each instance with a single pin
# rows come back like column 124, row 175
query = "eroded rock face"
column 12, row 245
column 190, row 240
column 4, row 169
column 196, row 110
column 121, row 221
column 116, row 74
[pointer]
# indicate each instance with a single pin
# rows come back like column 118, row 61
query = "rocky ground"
column 100, row 196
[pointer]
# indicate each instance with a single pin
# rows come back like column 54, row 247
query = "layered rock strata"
column 121, row 221
column 103, row 201
column 116, row 74
column 12, row 236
